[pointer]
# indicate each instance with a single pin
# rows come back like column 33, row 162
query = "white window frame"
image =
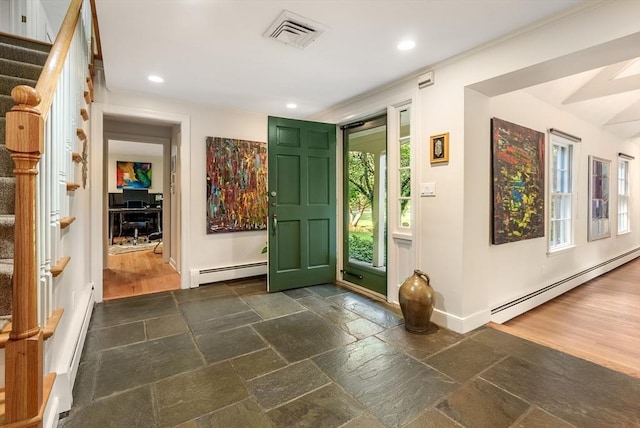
column 624, row 196
column 562, row 188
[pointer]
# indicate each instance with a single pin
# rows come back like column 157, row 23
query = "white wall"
column 157, row 168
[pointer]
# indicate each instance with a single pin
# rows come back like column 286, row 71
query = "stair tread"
column 25, row 42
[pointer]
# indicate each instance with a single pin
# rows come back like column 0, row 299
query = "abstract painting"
column 236, row 185
column 518, row 182
column 133, row 175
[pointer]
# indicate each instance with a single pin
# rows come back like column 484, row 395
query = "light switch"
column 428, row 189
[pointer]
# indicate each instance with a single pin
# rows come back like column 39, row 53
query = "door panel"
column 302, row 203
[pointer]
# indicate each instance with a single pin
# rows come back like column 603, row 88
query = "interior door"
column 302, row 203
column 365, row 204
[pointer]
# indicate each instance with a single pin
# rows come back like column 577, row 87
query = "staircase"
column 21, row 62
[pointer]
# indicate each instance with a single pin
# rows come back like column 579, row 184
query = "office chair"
column 135, row 221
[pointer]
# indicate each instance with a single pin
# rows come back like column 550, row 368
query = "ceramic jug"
column 416, row 302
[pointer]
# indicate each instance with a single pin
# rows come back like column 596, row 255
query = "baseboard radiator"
column 226, row 273
column 522, row 304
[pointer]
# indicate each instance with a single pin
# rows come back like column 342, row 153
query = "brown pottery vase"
column 416, row 302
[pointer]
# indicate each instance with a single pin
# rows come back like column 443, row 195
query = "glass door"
column 365, row 204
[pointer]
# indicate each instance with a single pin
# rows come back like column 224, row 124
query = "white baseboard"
column 67, row 367
column 519, row 306
column 459, row 324
column 226, row 273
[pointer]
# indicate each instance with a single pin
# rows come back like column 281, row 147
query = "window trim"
column 559, row 138
column 626, row 161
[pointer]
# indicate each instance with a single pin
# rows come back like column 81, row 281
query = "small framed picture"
column 439, row 148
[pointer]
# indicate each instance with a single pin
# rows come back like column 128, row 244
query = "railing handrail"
column 48, row 80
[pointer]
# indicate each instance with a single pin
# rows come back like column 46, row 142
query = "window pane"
column 405, row 183
column 405, row 154
column 405, row 213
column 405, row 128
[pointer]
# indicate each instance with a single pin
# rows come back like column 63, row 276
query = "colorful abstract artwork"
column 133, row 175
column 236, row 185
column 518, row 182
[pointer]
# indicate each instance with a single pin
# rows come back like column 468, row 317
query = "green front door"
column 302, row 203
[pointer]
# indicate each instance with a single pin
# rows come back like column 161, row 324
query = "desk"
column 120, row 212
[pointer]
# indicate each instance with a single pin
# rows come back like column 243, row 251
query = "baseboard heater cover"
column 225, row 273
column 561, row 282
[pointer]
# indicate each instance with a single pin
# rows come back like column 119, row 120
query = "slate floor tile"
column 617, row 385
column 482, row 405
column 572, row 401
column 298, row 293
column 419, row 346
column 245, row 414
column 258, row 363
column 327, row 290
column 369, row 309
column 326, row 407
column 540, row 419
column 137, row 308
column 432, row 418
column 132, row 408
column 222, row 345
column 285, row 384
column 85, row 382
column 199, row 311
column 273, row 305
column 364, row 421
column 195, row 393
column 142, row 363
column 331, row 312
column 465, row 359
column 165, row 326
column 112, row 337
column 301, row 335
column 226, row 322
column 362, row 328
column 372, row 371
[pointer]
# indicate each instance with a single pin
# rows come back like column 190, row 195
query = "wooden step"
column 57, row 269
column 47, row 387
column 87, row 97
column 48, row 331
column 76, row 157
column 84, row 113
column 72, row 186
column 66, row 221
column 81, row 134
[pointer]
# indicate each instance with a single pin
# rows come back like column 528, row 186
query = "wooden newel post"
column 24, row 350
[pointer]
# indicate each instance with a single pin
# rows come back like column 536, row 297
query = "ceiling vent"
column 294, row 30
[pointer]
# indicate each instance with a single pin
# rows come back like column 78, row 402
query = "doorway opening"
column 137, row 187
column 365, row 204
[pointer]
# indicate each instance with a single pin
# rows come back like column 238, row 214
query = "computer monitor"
column 135, row 195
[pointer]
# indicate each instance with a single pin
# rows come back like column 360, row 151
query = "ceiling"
column 213, row 51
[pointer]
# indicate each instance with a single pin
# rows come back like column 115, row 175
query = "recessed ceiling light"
column 292, row 105
column 405, row 45
column 156, row 79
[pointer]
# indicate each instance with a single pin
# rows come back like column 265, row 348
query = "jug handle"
column 422, row 274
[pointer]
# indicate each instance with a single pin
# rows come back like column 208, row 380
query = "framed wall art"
column 133, row 175
column 599, row 221
column 236, row 185
column 518, row 182
column 439, row 148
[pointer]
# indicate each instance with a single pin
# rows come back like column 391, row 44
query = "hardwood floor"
column 598, row 321
column 141, row 272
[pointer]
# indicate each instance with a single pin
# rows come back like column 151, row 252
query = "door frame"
column 360, row 111
column 97, row 176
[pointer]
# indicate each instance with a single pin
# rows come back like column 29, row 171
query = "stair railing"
column 41, row 126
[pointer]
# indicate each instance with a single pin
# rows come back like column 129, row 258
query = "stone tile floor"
column 230, row 355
